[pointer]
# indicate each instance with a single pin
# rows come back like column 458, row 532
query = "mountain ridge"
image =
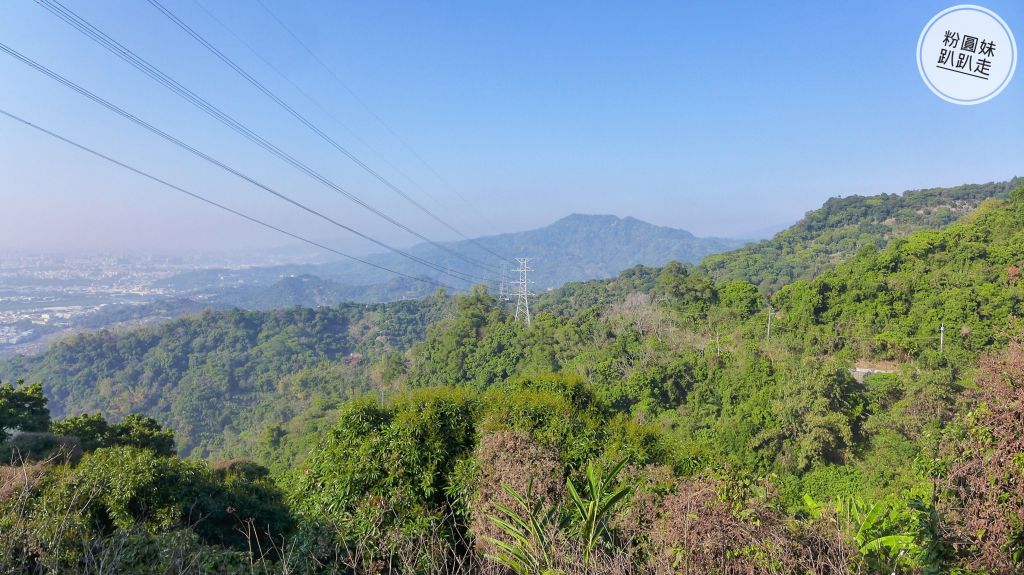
column 575, row 247
column 842, row 226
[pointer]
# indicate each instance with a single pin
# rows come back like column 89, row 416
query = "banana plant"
column 865, row 522
column 594, row 507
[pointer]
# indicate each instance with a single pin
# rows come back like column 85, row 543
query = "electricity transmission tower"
column 522, row 292
column 503, row 291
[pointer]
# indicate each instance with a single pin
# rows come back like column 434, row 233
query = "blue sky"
column 718, row 118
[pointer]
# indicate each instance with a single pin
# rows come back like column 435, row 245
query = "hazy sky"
column 714, row 117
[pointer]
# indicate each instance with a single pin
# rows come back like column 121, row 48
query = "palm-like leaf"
column 529, row 552
column 594, row 510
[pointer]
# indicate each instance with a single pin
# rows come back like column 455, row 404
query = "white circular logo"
column 966, row 54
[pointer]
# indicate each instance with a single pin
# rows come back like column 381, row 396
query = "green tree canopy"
column 22, row 408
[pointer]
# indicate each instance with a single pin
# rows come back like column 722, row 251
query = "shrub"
column 383, row 470
column 511, row 458
column 983, row 496
column 39, row 446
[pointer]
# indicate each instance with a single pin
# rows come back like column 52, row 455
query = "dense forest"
column 865, row 417
column 843, row 226
column 215, row 377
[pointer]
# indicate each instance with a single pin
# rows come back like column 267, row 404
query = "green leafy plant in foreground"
column 871, row 526
column 594, row 508
column 532, row 548
column 533, row 531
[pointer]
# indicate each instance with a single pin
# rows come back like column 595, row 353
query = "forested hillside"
column 650, row 423
column 842, row 227
column 206, row 376
column 698, row 353
column 313, row 291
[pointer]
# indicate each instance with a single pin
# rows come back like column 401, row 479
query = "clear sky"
column 720, row 118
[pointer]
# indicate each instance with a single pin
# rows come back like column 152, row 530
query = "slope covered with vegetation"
column 842, row 227
column 651, row 423
column 215, row 376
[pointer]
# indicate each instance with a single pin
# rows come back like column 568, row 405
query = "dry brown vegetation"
column 984, row 498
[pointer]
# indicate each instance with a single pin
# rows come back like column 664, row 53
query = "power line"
column 877, row 338
column 126, row 54
column 313, row 100
column 144, row 174
column 160, row 77
column 306, row 122
column 112, row 107
column 363, row 103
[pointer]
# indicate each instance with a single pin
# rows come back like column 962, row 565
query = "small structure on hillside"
column 859, row 373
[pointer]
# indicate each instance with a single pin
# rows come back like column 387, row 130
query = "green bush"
column 22, row 408
column 128, row 487
column 32, row 447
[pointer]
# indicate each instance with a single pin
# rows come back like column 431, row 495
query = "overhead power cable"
column 365, row 106
column 114, row 108
column 206, row 200
column 323, row 109
column 160, row 77
column 309, row 124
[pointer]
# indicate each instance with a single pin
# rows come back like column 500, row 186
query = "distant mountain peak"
column 577, row 216
column 612, row 221
column 574, row 248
